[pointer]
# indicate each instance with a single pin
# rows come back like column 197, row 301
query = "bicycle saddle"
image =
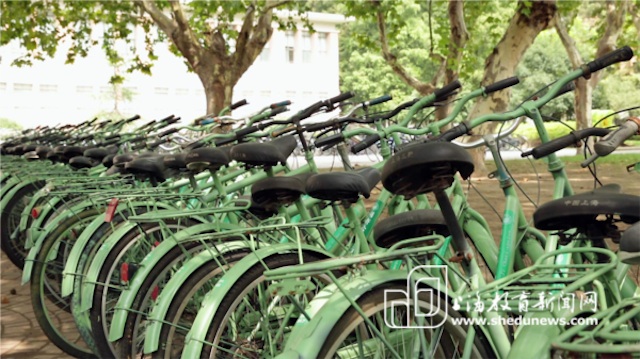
column 211, row 158
column 630, row 245
column 423, row 167
column 122, row 159
column 42, row 151
column 31, row 155
column 578, row 211
column 79, row 162
column 69, row 152
column 176, row 161
column 407, row 225
column 151, row 167
column 273, row 192
column 265, row 154
column 99, row 153
column 343, row 186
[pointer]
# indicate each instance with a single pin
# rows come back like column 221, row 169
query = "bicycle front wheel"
column 391, row 331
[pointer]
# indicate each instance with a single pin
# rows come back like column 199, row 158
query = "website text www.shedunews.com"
column 481, row 321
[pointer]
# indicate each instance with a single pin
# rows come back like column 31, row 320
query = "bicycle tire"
column 173, row 330
column 129, row 346
column 39, row 293
column 373, row 303
column 99, row 314
column 9, row 222
column 215, row 346
column 82, row 318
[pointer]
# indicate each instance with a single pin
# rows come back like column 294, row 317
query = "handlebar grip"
column 329, row 141
column 280, row 104
column 609, row 143
column 136, row 139
column 173, row 120
column 501, row 85
column 379, row 100
column 341, row 97
column 559, row 143
column 168, row 132
column 622, row 54
column 245, row 131
column 167, row 118
column 454, row 132
column 566, row 88
column 110, row 137
column 279, row 110
column 136, row 117
column 366, row 143
column 238, row 104
column 445, row 91
column 282, row 131
column 224, row 141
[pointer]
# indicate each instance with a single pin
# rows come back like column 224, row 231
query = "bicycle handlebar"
column 238, row 104
column 501, row 85
column 614, row 139
column 559, row 143
column 622, row 54
column 377, row 101
column 447, row 90
column 280, row 104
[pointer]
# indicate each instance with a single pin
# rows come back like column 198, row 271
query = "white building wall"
column 51, row 92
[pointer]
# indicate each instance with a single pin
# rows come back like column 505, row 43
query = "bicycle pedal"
column 291, row 286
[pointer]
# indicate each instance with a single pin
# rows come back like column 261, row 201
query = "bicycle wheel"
column 183, row 307
column 11, row 241
column 53, row 312
column 352, row 337
column 250, row 321
column 131, row 249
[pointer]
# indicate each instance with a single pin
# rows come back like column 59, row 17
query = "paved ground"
column 20, row 334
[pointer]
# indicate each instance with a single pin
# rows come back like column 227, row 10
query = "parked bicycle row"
column 216, row 248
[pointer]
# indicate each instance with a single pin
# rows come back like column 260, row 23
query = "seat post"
column 450, row 218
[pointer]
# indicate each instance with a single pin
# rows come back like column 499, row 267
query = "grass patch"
column 524, row 165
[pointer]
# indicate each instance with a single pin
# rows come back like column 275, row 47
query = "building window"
column 161, row 90
column 22, row 87
column 182, row 92
column 265, row 93
column 48, row 88
column 3, row 86
column 290, row 47
column 106, row 89
column 306, row 47
column 84, row 89
column 323, row 43
column 266, row 52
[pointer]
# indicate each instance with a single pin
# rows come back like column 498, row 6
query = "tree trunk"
column 584, row 88
column 523, row 28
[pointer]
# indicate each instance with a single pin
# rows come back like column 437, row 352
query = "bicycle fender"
column 37, row 227
column 104, row 251
column 70, row 268
column 197, row 335
column 7, row 189
column 27, row 210
column 88, row 285
column 168, row 292
column 69, row 273
column 146, row 266
column 33, row 252
column 542, row 335
column 328, row 307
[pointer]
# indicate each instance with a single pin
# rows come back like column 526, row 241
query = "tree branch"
column 567, row 41
column 163, row 21
column 607, row 43
column 392, row 60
